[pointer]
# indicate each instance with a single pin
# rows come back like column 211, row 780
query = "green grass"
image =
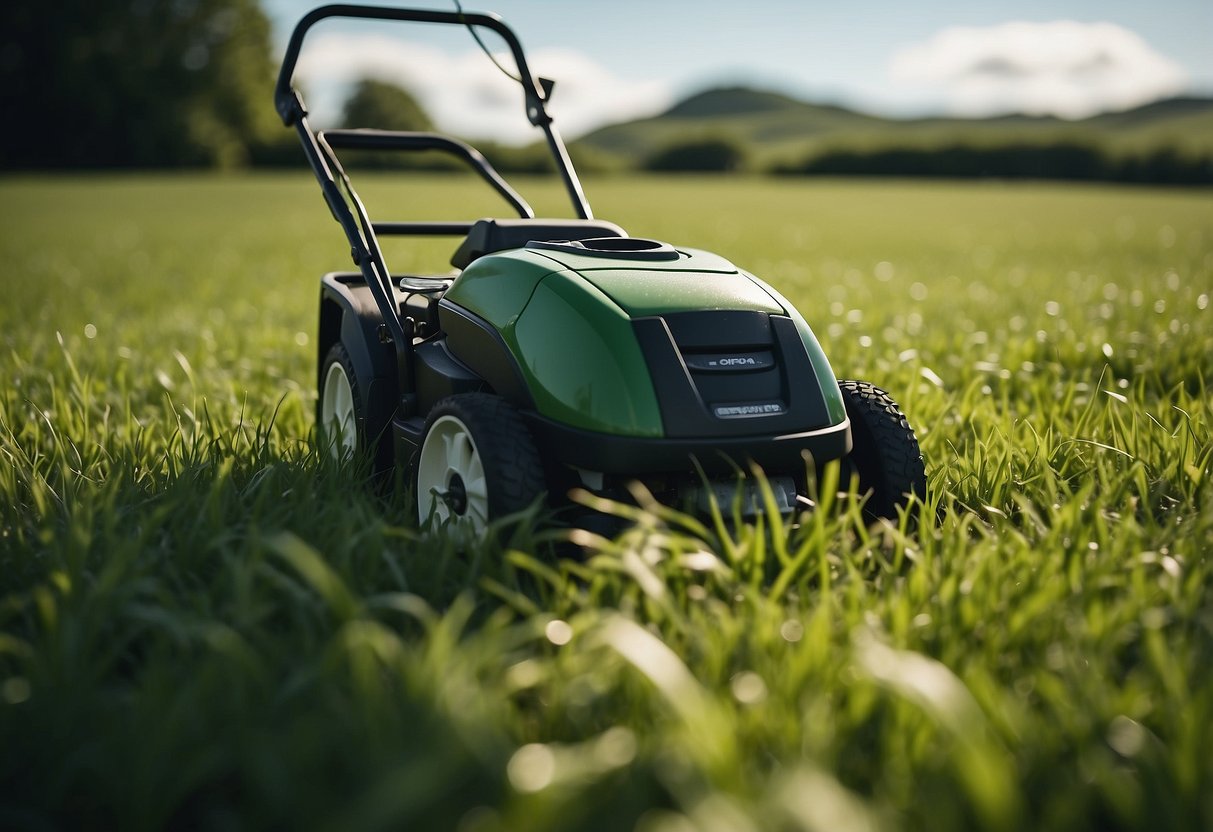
column 203, row 624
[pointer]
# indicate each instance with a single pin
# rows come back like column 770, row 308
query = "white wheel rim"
column 451, row 486
column 337, row 413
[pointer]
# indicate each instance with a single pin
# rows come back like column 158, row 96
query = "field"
column 204, row 624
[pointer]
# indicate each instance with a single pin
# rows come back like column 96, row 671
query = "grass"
column 204, row 624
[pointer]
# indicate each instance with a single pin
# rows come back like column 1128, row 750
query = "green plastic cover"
column 567, row 319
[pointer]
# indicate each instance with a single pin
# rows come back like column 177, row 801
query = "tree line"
column 1013, row 160
column 124, row 84
column 134, row 83
column 97, row 84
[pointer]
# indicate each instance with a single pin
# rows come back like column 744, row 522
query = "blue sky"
column 616, row 60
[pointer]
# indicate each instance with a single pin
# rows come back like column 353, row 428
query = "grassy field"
column 203, row 624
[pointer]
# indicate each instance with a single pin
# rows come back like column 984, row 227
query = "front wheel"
column 477, row 463
column 885, row 455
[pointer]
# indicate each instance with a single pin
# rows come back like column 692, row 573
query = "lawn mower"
column 565, row 353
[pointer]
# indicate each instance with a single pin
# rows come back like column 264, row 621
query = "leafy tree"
column 129, row 83
column 386, row 106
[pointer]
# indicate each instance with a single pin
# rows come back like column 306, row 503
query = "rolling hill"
column 777, row 128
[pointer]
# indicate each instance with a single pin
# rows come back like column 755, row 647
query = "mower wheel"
column 344, row 428
column 340, row 408
column 477, row 462
column 885, row 455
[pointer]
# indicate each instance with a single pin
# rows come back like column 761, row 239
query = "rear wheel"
column 340, row 416
column 346, row 430
column 477, row 463
column 885, row 455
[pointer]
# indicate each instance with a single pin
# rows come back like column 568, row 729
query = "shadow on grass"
column 175, row 651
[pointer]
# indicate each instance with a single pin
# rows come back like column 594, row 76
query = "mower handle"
column 290, row 104
column 364, row 139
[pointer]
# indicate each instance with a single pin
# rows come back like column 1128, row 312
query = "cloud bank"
column 1062, row 68
column 465, row 94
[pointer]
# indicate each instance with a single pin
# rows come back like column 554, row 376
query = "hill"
column 777, row 128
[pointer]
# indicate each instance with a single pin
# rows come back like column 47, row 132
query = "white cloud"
column 468, row 96
column 1062, row 68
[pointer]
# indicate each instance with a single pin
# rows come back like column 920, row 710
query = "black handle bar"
column 394, row 140
column 290, row 105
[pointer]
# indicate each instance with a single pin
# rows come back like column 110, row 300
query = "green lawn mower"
column 564, row 353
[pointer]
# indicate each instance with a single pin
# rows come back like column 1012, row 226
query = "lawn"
column 206, row 624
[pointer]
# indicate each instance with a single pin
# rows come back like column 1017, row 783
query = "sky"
column 615, row 61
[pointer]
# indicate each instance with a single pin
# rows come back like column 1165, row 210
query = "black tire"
column 363, row 436
column 501, row 443
column 885, row 453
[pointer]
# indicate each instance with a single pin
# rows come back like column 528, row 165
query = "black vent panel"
column 729, row 373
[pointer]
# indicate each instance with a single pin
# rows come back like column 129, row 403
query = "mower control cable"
column 545, row 84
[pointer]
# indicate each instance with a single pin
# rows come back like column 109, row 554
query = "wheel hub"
column 456, row 495
column 450, row 477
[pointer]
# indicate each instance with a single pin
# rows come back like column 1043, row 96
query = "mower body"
column 658, row 361
column 632, row 365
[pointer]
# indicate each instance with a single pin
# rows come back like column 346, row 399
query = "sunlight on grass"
column 204, row 619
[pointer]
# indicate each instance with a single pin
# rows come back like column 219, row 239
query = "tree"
column 386, row 106
column 697, row 155
column 132, row 83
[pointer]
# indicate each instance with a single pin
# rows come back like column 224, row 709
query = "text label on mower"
column 745, row 411
column 726, row 362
